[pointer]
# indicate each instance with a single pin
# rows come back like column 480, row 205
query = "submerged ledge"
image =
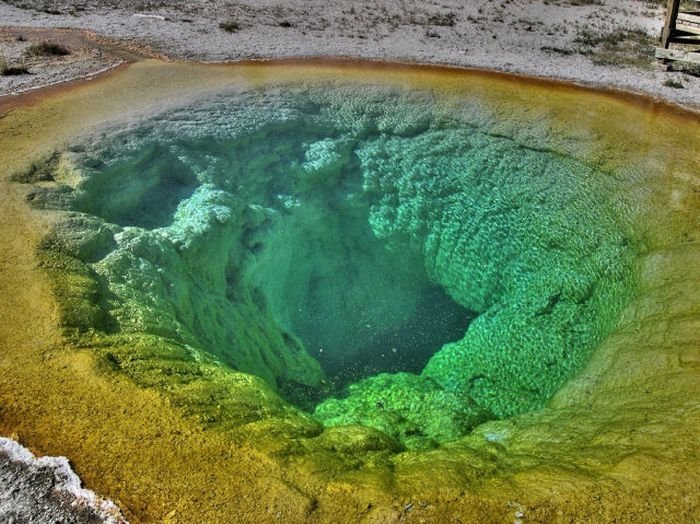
column 579, row 416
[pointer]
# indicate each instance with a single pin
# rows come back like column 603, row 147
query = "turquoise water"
column 374, row 256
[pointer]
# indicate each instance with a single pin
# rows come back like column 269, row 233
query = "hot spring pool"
column 373, row 276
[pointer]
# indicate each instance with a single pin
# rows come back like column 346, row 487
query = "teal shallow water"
column 379, row 256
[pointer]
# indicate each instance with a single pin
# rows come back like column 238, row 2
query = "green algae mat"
column 351, row 292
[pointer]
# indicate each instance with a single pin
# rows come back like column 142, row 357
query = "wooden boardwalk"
column 682, row 31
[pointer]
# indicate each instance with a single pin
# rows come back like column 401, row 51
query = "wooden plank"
column 675, row 54
column 693, row 29
column 693, row 18
column 688, row 23
column 670, row 21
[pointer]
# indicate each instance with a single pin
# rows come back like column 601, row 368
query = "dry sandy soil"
column 595, row 42
column 607, row 43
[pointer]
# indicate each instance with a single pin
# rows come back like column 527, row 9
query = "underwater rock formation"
column 426, row 270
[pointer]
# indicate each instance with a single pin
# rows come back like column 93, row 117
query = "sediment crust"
column 46, row 489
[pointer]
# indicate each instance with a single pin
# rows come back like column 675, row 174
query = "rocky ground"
column 45, row 491
column 596, row 42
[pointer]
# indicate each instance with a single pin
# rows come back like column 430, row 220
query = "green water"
column 376, row 258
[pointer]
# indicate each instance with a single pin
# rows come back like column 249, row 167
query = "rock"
column 45, row 490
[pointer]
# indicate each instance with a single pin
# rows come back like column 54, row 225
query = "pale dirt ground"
column 548, row 38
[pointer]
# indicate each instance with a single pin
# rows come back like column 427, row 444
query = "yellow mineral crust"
column 617, row 443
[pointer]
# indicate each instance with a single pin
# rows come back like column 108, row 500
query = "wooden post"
column 670, row 22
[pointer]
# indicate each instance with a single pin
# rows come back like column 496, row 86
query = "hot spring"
column 381, row 274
